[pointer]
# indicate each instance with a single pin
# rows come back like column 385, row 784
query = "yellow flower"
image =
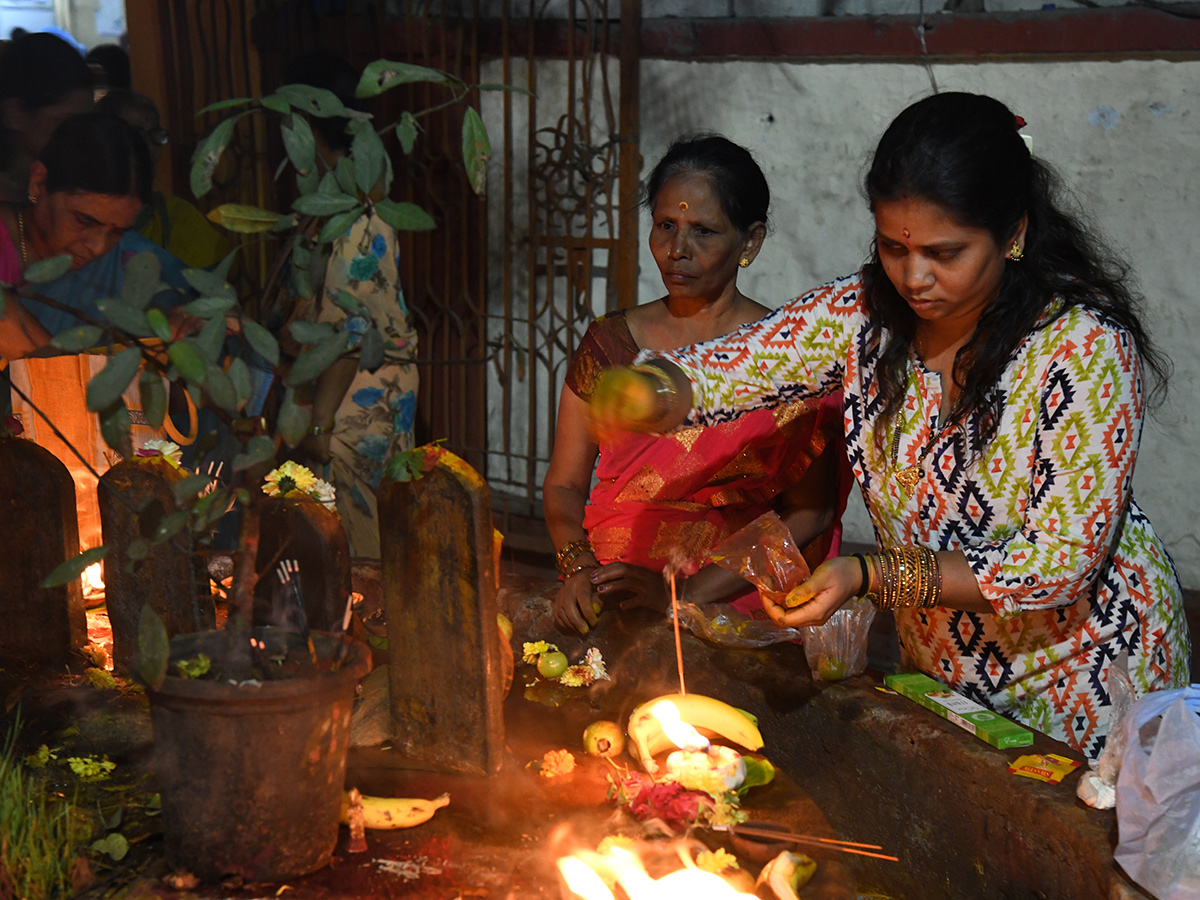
column 557, row 762
column 531, row 650
column 289, row 477
column 715, row 861
column 577, row 676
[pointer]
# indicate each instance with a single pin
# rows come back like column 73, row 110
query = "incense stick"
column 678, row 640
column 790, row 838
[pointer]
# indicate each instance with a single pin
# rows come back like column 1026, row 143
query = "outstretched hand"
column 834, row 582
column 631, row 586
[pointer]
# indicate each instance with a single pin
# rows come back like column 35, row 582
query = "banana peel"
column 783, row 876
column 389, row 813
column 709, row 716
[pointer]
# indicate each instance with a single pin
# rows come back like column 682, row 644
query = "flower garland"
column 294, row 480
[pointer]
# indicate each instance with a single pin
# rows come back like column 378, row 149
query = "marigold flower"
column 557, row 762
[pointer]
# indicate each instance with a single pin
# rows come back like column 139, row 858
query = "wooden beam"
column 1124, row 32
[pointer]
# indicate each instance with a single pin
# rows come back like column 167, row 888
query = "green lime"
column 552, row 664
column 831, row 669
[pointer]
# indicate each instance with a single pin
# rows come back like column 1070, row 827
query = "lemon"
column 603, row 738
column 505, row 626
column 552, row 664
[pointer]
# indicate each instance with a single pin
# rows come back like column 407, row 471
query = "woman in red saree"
column 671, row 499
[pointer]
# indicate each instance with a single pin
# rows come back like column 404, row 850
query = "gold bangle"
column 570, row 551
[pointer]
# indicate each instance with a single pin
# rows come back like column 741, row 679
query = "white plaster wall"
column 1123, row 134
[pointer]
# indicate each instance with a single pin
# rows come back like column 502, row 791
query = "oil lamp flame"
column 684, row 735
column 93, row 580
column 590, row 874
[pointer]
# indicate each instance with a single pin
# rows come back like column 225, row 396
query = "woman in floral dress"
column 991, row 356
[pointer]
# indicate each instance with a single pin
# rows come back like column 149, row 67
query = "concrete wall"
column 1123, row 134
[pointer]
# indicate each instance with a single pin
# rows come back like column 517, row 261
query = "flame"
column 684, row 735
column 588, row 875
column 93, row 579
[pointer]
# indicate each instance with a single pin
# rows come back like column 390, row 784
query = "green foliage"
column 73, row 568
column 38, row 845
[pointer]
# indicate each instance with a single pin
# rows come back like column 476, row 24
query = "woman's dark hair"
column 98, row 153
column 39, row 70
column 736, row 179
column 963, row 152
column 114, row 61
column 335, row 74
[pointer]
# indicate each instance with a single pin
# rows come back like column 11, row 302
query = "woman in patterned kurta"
column 999, row 364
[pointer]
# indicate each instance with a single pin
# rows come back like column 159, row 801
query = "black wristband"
column 865, row 586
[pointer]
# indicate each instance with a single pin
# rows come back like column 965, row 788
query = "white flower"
column 325, row 493
column 594, row 661
column 168, row 449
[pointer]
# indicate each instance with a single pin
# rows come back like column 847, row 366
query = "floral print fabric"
column 1075, row 574
column 375, row 418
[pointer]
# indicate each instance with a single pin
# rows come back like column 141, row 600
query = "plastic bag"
column 1158, row 794
column 730, row 628
column 838, row 649
column 1098, row 788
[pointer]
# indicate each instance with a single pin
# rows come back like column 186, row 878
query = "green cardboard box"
column 980, row 721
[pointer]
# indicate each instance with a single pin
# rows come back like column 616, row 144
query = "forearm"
column 20, row 333
column 563, row 507
column 959, row 588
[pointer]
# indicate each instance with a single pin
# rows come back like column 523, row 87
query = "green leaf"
column 261, row 341
column 338, row 225
column 408, row 465
column 293, row 420
column 343, row 174
column 276, row 103
column 405, row 216
column 759, row 770
column 369, row 157
column 317, row 101
column 81, row 337
column 309, row 332
column 159, row 324
column 209, row 284
column 153, row 648
column 221, row 269
column 169, row 526
column 205, row 307
column 322, row 204
column 190, row 486
column 68, row 571
column 107, row 386
column 299, row 143
column 383, row 75
column 506, row 87
column 130, row 319
column 142, row 275
column 138, row 549
column 187, row 359
column 47, row 269
column 349, row 303
column 219, row 387
column 315, row 360
column 476, row 150
column 208, row 154
column 113, row 844
column 242, row 218
column 243, row 386
column 406, row 132
column 116, row 427
column 154, row 397
column 370, row 352
column 224, row 104
column 211, row 339
column 308, row 182
column 329, row 184
column 258, row 449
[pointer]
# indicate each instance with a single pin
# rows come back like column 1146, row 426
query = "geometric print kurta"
column 1044, row 513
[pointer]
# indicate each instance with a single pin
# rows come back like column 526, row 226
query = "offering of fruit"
column 603, row 738
column 552, row 664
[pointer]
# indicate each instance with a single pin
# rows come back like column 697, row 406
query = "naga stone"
column 302, row 530
column 439, row 587
column 135, row 495
column 41, row 531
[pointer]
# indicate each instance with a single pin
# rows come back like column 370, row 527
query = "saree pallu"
column 673, row 498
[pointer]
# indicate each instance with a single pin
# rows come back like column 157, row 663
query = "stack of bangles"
column 564, row 560
column 909, row 578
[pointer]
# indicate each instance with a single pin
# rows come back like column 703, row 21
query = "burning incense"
column 670, row 571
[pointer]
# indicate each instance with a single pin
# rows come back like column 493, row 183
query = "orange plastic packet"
column 1050, row 767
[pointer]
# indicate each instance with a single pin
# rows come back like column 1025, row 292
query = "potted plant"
column 244, row 719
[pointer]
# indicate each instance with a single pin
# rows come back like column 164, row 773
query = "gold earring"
column 1015, row 253
column 744, row 262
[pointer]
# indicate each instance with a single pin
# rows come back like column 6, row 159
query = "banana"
column 706, row 714
column 783, row 876
column 385, row 813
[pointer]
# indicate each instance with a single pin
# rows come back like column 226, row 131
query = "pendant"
column 908, row 478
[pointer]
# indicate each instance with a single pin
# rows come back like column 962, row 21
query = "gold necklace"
column 21, row 237
column 908, row 477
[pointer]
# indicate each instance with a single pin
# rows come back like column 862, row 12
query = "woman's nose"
column 678, row 248
column 917, row 273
